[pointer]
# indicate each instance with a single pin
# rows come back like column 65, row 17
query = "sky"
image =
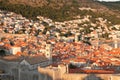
column 109, row 0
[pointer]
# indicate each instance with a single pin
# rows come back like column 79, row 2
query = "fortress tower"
column 77, row 37
column 48, row 53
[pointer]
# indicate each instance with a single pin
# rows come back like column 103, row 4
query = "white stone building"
column 23, row 68
column 14, row 50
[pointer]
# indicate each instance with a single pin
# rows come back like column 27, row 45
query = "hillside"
column 56, row 3
column 114, row 6
column 58, row 10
